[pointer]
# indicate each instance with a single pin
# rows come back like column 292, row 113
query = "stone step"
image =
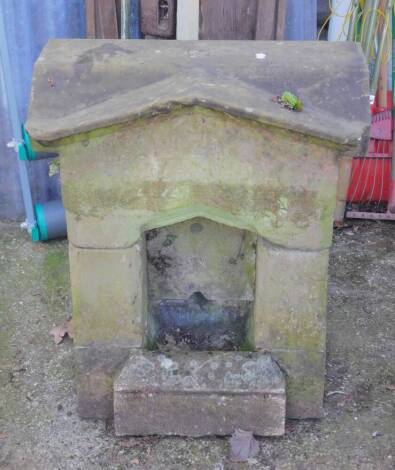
column 199, row 393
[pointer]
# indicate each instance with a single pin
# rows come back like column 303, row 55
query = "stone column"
column 109, row 314
column 290, row 320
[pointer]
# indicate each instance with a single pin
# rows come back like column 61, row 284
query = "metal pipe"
column 51, row 220
column 17, row 141
column 125, row 19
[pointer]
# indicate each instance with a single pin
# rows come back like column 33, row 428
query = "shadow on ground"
column 39, row 427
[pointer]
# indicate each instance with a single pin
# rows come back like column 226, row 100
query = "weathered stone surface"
column 156, row 172
column 290, row 321
column 305, row 380
column 95, row 367
column 201, row 255
column 83, row 85
column 290, row 299
column 199, row 394
column 109, row 301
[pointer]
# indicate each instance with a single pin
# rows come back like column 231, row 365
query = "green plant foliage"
column 291, row 101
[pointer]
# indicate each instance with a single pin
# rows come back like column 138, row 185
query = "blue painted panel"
column 29, row 25
column 135, row 19
column 301, row 20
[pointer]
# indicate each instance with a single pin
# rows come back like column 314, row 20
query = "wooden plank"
column 188, row 19
column 266, row 19
column 270, row 19
column 242, row 19
column 155, row 21
column 280, row 19
column 106, row 19
column 228, row 19
column 101, row 19
column 90, row 19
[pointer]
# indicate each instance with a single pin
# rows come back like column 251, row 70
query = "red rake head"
column 381, row 127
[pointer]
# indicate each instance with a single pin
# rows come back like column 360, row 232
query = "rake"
column 371, row 193
column 372, row 189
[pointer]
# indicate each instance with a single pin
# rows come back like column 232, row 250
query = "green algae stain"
column 55, row 274
column 283, row 205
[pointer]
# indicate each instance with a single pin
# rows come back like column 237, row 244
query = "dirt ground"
column 39, row 427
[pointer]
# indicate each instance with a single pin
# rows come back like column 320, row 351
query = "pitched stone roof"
column 80, row 85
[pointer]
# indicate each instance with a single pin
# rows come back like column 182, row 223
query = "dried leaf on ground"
column 243, row 445
column 340, row 224
column 59, row 332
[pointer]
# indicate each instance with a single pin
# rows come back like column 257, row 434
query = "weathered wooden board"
column 101, row 19
column 158, row 18
column 242, row 19
column 227, row 19
column 90, row 19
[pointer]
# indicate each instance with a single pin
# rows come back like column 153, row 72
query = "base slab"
column 199, row 393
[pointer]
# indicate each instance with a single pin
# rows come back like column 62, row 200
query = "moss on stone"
column 117, row 174
column 55, row 274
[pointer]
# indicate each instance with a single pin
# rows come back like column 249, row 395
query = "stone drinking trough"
column 199, row 214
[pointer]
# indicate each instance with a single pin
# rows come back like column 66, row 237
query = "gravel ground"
column 39, row 427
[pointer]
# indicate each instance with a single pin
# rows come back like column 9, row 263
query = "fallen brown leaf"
column 3, row 435
column 339, row 224
column 61, row 331
column 135, row 461
column 391, row 387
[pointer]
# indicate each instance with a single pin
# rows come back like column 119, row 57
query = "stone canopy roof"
column 80, row 85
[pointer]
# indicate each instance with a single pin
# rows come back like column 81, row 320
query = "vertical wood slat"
column 265, row 19
column 280, row 20
column 227, row 19
column 101, row 19
column 106, row 19
column 90, row 19
column 242, row 19
column 270, row 19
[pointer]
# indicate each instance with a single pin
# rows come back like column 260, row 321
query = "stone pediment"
column 81, row 85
